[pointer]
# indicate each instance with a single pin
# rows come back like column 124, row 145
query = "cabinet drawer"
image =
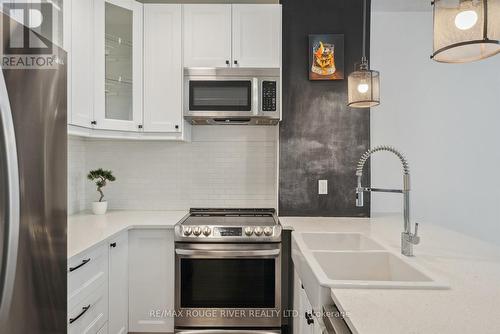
column 90, row 315
column 86, row 273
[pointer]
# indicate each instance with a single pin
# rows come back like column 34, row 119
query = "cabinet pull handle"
column 309, row 318
column 93, row 122
column 235, row 62
column 84, row 309
column 113, row 244
column 176, row 127
column 140, row 126
column 227, row 62
column 84, row 262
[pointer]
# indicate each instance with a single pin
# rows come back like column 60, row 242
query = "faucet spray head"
column 359, row 194
column 359, row 198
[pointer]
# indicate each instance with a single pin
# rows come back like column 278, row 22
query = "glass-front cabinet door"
column 118, row 65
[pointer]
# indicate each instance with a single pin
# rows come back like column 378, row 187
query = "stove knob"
column 207, row 231
column 258, row 231
column 187, row 231
column 197, row 231
column 268, row 231
column 248, row 231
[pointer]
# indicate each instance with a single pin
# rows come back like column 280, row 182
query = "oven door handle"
column 228, row 253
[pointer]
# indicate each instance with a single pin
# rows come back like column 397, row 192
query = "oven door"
column 228, row 285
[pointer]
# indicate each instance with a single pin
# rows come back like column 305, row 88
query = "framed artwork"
column 326, row 57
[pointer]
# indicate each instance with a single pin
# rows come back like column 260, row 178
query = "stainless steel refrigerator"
column 33, row 192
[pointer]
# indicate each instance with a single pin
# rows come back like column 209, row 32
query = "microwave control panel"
column 268, row 95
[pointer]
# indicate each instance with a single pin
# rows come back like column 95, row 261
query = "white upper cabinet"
column 162, row 67
column 110, row 44
column 118, row 64
column 207, row 35
column 218, row 35
column 256, row 35
column 78, row 41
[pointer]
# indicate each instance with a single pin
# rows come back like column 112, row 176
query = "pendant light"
column 363, row 84
column 466, row 30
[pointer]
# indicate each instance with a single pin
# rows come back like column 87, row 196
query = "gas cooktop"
column 229, row 225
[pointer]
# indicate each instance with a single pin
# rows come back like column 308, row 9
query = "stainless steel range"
column 228, row 271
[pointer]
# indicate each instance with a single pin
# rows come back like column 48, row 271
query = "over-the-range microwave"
column 232, row 96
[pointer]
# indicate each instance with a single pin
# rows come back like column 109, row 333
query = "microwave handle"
column 227, row 253
column 255, row 96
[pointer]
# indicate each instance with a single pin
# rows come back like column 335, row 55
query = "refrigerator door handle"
column 13, row 206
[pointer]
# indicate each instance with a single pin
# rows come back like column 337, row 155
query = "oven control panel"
column 229, row 231
column 222, row 232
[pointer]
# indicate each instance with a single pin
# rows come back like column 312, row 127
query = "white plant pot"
column 99, row 208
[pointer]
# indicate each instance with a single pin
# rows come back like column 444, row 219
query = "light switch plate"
column 323, row 187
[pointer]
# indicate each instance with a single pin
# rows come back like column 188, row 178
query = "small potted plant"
column 100, row 177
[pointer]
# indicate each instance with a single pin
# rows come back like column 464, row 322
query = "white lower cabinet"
column 308, row 320
column 118, row 285
column 306, row 316
column 88, row 291
column 90, row 315
column 151, row 280
column 123, row 285
column 311, row 321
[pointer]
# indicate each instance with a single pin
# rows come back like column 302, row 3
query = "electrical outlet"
column 323, row 187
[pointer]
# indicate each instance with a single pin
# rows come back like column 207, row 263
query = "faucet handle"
column 415, row 238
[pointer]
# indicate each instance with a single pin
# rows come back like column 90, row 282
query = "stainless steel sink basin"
column 339, row 241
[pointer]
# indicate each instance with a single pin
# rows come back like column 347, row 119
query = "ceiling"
column 377, row 5
column 401, row 5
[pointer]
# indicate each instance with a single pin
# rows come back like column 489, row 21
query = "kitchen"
column 243, row 167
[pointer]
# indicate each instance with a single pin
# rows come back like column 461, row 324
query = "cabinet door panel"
column 151, row 280
column 303, row 306
column 118, row 64
column 80, row 16
column 256, row 35
column 162, row 67
column 118, row 285
column 207, row 35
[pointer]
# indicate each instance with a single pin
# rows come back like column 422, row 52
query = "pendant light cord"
column 364, row 30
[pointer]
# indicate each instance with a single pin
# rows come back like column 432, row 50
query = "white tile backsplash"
column 223, row 166
column 77, row 175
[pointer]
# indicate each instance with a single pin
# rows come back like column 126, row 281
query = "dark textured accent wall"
column 320, row 137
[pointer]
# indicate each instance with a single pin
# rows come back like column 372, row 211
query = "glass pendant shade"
column 466, row 30
column 363, row 88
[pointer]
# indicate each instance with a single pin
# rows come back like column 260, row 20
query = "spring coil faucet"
column 408, row 239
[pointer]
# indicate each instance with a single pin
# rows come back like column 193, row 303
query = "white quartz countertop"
column 86, row 229
column 470, row 266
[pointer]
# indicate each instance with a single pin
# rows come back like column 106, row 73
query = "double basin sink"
column 353, row 260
